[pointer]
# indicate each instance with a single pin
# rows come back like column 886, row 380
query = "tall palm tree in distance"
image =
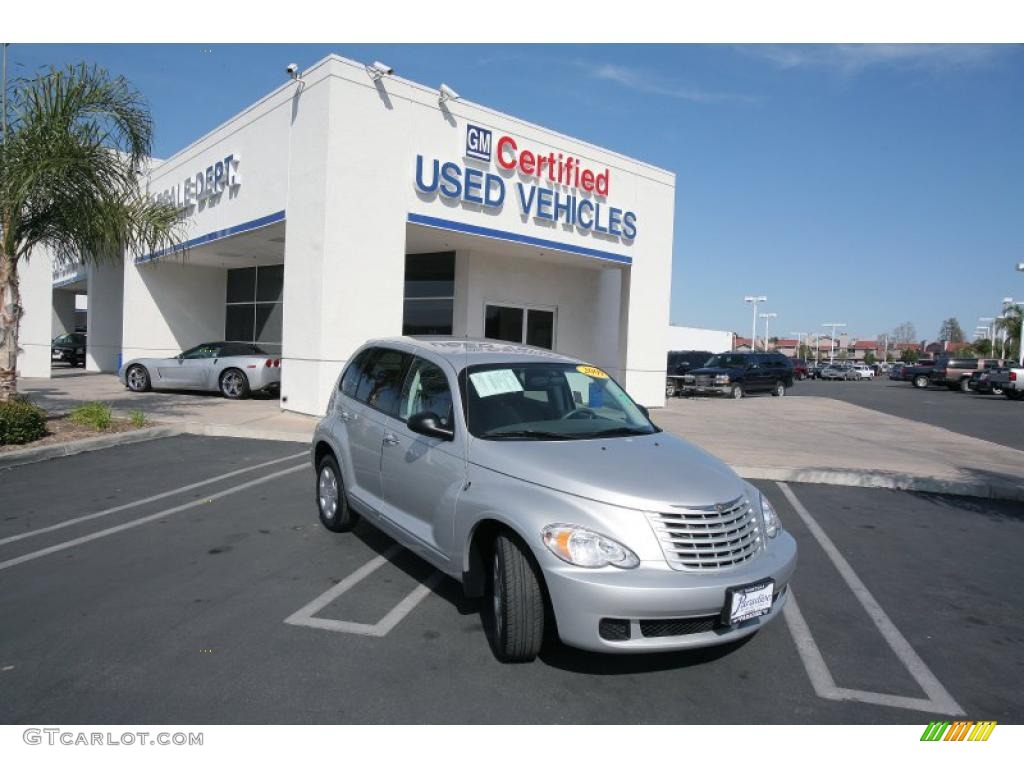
column 75, row 145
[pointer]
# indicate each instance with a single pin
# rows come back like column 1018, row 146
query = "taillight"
column 1013, row 375
column 269, row 363
column 277, row 363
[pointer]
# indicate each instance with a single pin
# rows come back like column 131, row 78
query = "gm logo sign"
column 478, row 142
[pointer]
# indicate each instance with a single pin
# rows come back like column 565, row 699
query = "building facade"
column 348, row 205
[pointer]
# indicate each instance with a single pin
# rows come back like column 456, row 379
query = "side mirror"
column 429, row 424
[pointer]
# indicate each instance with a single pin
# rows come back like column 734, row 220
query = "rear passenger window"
column 350, row 380
column 381, row 383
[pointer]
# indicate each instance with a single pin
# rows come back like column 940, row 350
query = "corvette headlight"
column 586, row 548
column 772, row 524
column 722, row 378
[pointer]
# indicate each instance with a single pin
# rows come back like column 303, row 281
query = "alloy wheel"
column 231, row 384
column 328, row 493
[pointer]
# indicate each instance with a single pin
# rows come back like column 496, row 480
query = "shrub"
column 95, row 415
column 138, row 418
column 21, row 422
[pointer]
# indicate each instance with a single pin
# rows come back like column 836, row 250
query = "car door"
column 376, row 396
column 422, row 476
column 757, row 375
column 186, row 371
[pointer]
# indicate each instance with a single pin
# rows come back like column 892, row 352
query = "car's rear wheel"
column 921, row 381
column 517, row 602
column 331, row 501
column 965, row 385
column 137, row 378
column 736, row 392
column 779, row 390
column 995, row 389
column 234, row 385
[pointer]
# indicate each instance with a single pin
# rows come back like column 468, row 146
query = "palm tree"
column 70, row 163
column 1010, row 322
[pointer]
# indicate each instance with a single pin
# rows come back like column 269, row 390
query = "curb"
column 70, row 448
column 1005, row 491
column 248, row 433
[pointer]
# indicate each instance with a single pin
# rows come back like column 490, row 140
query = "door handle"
column 390, row 438
column 345, row 416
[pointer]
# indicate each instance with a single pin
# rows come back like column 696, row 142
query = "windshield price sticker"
column 591, row 371
column 499, row 382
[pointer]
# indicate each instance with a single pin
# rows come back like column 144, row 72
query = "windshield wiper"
column 620, row 431
column 535, row 434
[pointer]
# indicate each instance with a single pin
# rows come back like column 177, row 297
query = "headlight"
column 772, row 524
column 722, row 378
column 689, row 378
column 587, row 549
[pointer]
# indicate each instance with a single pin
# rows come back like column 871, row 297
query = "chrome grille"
column 705, row 538
column 704, row 381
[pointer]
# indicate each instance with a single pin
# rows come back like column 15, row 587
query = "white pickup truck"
column 1011, row 380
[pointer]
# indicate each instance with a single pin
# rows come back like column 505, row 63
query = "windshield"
column 728, row 361
column 547, row 401
column 68, row 338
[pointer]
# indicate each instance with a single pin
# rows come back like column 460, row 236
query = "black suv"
column 738, row 373
column 69, row 348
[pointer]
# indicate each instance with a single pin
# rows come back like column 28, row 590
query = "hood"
column 649, row 472
column 714, row 371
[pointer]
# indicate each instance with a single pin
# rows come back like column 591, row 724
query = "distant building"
column 682, row 337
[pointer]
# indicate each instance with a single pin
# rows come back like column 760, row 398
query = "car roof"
column 461, row 351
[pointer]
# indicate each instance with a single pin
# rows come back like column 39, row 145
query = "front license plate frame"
column 732, row 615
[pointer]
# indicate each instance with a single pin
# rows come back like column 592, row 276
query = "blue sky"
column 865, row 184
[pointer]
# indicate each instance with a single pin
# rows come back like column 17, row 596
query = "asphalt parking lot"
column 987, row 417
column 151, row 583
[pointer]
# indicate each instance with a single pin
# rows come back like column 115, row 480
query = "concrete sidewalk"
column 259, row 417
column 805, row 439
column 821, row 440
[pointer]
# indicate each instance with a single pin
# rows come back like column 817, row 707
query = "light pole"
column 767, row 316
column 1020, row 342
column 754, row 300
column 990, row 329
column 832, row 339
column 799, row 339
column 1007, row 303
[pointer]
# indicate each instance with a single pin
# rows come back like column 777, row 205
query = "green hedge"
column 21, row 422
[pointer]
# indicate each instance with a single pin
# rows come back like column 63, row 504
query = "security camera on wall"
column 447, row 94
column 292, row 70
column 379, row 69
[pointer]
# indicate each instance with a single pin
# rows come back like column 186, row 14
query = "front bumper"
column 710, row 389
column 654, row 592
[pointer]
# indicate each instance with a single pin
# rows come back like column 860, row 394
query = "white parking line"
column 306, row 616
column 938, row 698
column 147, row 500
column 143, row 520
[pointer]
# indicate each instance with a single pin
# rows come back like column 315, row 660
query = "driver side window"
column 202, row 352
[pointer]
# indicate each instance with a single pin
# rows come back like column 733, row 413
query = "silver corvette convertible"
column 233, row 368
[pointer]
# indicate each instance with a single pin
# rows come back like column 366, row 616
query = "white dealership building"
column 349, row 204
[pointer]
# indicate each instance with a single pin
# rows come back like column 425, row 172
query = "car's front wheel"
column 779, row 390
column 517, row 603
column 921, row 382
column 234, row 385
column 736, row 392
column 137, row 379
column 331, row 501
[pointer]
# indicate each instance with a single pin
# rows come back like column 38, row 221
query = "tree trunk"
column 10, row 320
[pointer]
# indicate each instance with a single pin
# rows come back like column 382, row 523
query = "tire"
column 736, row 392
column 779, row 390
column 331, row 502
column 965, row 385
column 921, row 382
column 670, row 391
column 517, row 603
column 137, row 379
column 234, row 385
column 1012, row 394
column 996, row 389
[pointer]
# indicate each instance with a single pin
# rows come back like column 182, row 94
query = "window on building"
column 522, row 325
column 254, row 306
column 429, row 304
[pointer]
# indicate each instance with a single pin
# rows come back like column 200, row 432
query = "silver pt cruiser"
column 536, row 481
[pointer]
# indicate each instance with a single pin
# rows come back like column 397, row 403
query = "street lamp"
column 799, row 339
column 991, row 332
column 832, row 339
column 1020, row 348
column 754, row 300
column 767, row 316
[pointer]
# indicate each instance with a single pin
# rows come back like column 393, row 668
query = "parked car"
column 1010, row 380
column 681, row 362
column 896, row 372
column 534, row 480
column 839, row 373
column 800, row 370
column 979, row 382
column 955, row 373
column 235, row 369
column 736, row 374
column 863, row 371
column 69, row 348
column 917, row 374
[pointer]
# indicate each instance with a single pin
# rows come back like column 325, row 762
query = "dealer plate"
column 747, row 602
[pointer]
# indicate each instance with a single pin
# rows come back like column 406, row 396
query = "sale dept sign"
column 546, row 185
